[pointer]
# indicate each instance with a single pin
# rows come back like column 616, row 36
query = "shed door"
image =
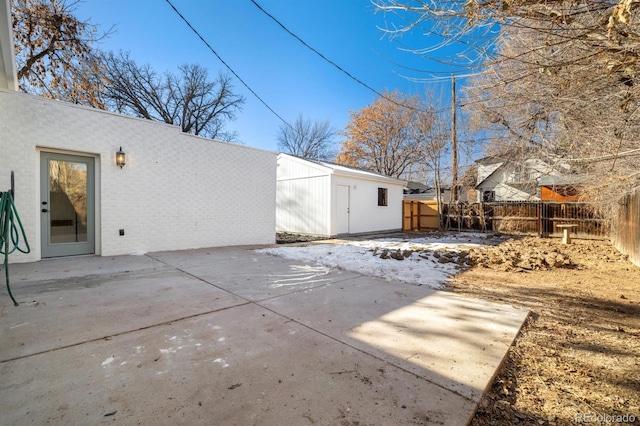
column 342, row 207
column 67, row 204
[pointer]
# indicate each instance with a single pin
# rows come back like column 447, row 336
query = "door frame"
column 95, row 202
column 339, row 216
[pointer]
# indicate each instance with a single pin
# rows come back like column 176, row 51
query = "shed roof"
column 340, row 169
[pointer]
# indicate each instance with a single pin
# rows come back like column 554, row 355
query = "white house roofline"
column 345, row 170
column 479, row 184
column 340, row 169
column 8, row 73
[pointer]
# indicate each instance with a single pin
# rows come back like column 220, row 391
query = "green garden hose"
column 10, row 230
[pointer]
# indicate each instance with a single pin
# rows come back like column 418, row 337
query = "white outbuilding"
column 320, row 198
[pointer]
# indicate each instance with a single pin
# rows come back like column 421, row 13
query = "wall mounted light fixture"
column 120, row 158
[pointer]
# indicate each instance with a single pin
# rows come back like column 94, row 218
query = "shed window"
column 382, row 196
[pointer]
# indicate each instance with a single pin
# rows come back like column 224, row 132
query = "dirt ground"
column 577, row 358
column 290, row 238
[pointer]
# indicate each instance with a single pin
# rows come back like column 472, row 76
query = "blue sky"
column 289, row 77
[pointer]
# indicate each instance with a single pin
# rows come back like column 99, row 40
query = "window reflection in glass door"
column 68, row 201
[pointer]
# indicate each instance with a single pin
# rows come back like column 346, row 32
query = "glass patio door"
column 67, row 195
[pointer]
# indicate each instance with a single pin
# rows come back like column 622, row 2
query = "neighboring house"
column 560, row 188
column 414, row 188
column 176, row 191
column 504, row 180
column 320, row 198
column 418, row 191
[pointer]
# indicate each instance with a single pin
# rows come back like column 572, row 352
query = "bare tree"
column 432, row 132
column 559, row 77
column 574, row 109
column 379, row 137
column 190, row 99
column 54, row 53
column 307, row 139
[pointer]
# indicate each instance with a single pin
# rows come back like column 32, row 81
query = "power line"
column 226, row 65
column 347, row 73
column 253, row 92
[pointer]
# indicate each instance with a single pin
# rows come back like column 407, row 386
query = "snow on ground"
column 428, row 261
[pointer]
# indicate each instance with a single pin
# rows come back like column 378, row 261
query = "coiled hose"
column 10, row 230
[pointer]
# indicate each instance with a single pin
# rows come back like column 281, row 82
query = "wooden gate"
column 419, row 215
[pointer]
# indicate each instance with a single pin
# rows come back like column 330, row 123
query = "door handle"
column 44, row 210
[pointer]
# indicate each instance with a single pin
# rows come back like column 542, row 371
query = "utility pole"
column 454, row 143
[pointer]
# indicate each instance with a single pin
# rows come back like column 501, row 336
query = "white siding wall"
column 484, row 170
column 307, row 199
column 538, row 168
column 303, row 205
column 365, row 214
column 303, row 197
column 295, row 168
column 176, row 192
column 503, row 192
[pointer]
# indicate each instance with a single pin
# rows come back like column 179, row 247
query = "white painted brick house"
column 177, row 191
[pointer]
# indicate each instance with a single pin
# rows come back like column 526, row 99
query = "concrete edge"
column 498, row 368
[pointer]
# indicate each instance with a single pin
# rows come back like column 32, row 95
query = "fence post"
column 539, row 217
column 544, row 219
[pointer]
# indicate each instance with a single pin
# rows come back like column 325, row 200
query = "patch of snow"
column 19, row 325
column 301, row 274
column 363, row 257
column 221, row 361
column 109, row 360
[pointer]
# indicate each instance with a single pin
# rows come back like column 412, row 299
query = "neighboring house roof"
column 415, row 187
column 347, row 170
column 498, row 165
column 489, row 160
column 562, row 180
column 8, row 73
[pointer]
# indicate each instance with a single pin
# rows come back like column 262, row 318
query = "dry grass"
column 578, row 356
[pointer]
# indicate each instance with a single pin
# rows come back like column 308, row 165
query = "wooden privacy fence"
column 528, row 217
column 419, row 215
column 626, row 232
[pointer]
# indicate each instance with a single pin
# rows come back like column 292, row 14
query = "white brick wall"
column 177, row 191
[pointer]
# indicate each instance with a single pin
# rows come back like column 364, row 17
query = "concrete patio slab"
column 217, row 370
column 233, row 336
column 264, row 276
column 219, row 256
column 64, row 312
column 453, row 341
column 80, row 266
